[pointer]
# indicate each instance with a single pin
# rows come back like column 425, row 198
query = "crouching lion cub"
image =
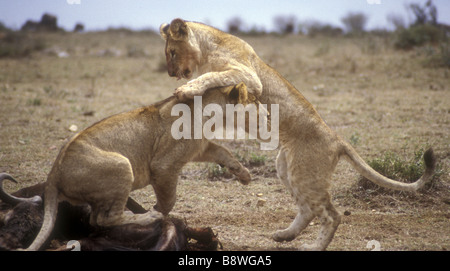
column 101, row 165
column 309, row 149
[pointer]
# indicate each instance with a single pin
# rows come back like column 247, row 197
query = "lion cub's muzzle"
column 187, row 74
column 178, row 73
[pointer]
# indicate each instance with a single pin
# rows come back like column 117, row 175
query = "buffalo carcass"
column 21, row 216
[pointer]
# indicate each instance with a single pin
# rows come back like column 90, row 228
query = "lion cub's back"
column 123, row 133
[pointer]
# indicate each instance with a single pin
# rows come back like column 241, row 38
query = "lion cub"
column 309, row 149
column 101, row 165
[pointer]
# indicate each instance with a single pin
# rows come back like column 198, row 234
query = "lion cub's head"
column 182, row 51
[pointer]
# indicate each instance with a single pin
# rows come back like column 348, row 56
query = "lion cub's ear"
column 239, row 94
column 178, row 29
column 163, row 30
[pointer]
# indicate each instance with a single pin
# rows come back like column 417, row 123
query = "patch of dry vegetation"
column 380, row 99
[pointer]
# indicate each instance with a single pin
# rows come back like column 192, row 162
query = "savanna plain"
column 384, row 101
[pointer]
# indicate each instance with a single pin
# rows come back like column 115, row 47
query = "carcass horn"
column 10, row 199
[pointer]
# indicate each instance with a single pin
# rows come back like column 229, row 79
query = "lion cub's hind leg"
column 304, row 215
column 110, row 206
column 282, row 169
column 104, row 181
column 301, row 221
column 115, row 215
column 308, row 184
column 330, row 220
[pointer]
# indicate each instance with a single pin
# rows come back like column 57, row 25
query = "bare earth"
column 377, row 98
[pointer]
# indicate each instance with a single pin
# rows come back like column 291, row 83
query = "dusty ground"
column 380, row 99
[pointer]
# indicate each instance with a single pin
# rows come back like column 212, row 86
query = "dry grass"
column 377, row 98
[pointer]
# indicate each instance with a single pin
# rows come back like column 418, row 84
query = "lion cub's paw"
column 283, row 235
column 187, row 91
column 182, row 95
column 143, row 219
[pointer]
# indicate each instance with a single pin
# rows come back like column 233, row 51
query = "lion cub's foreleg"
column 222, row 156
column 165, row 185
column 225, row 78
column 164, row 179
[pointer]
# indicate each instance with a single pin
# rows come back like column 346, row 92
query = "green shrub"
column 257, row 160
column 216, row 171
column 419, row 35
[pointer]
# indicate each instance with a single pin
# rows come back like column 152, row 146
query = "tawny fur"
column 104, row 163
column 309, row 149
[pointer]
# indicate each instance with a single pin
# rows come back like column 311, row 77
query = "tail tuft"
column 430, row 159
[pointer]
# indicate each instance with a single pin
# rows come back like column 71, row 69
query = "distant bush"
column 315, row 28
column 418, row 35
column 325, row 30
column 355, row 23
column 285, row 24
column 3, row 27
column 396, row 21
column 424, row 30
column 48, row 23
column 79, row 27
column 19, row 44
column 426, row 14
column 426, row 33
column 235, row 25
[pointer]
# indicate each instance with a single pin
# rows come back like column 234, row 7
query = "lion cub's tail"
column 364, row 169
column 50, row 212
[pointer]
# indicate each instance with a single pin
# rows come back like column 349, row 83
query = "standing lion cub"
column 309, row 149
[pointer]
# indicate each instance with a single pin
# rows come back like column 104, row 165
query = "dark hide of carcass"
column 21, row 216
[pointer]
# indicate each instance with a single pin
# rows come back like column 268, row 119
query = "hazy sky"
column 141, row 14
